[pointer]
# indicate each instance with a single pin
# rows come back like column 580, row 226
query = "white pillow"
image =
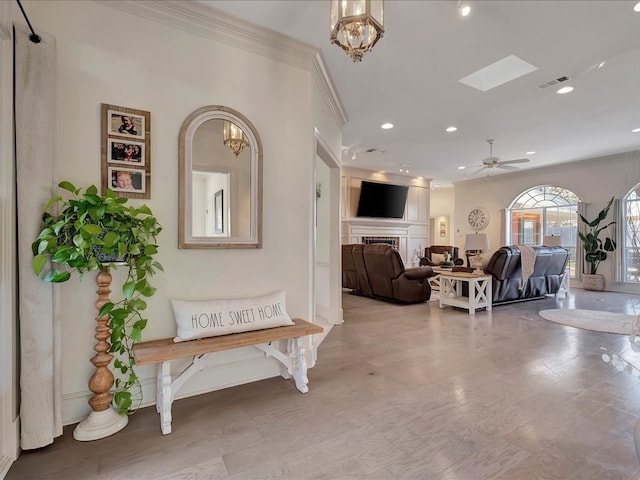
column 210, row 318
column 437, row 258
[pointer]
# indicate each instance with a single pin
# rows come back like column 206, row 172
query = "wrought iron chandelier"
column 356, row 25
column 233, row 137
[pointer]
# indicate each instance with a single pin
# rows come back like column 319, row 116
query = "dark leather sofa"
column 506, row 269
column 378, row 271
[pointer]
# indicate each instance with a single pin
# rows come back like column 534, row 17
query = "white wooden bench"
column 164, row 350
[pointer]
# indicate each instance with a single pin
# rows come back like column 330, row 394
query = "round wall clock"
column 478, row 218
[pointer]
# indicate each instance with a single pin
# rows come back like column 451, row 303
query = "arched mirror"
column 220, row 180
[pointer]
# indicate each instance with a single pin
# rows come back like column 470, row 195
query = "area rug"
column 594, row 320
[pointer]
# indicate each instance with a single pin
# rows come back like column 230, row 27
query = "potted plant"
column 595, row 248
column 92, row 232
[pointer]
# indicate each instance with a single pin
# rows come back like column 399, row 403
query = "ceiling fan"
column 495, row 162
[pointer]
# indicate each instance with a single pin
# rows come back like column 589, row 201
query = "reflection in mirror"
column 220, row 181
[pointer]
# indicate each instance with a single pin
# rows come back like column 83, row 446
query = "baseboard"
column 5, row 465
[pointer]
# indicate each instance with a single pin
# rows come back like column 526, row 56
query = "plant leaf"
column 128, row 289
column 38, row 263
column 67, row 186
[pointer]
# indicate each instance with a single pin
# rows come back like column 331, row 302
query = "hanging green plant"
column 92, row 232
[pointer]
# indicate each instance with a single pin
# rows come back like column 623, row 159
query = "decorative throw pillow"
column 437, row 258
column 210, row 318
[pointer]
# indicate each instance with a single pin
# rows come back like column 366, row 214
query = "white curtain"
column 617, row 236
column 582, row 228
column 40, row 342
column 504, row 219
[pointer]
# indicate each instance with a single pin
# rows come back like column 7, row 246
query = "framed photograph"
column 443, row 229
column 130, row 180
column 126, row 147
column 126, row 124
column 218, row 207
column 126, row 153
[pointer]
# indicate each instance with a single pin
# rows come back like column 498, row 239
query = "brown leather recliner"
column 440, row 250
column 378, row 271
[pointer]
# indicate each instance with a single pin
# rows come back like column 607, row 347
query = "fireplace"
column 393, row 241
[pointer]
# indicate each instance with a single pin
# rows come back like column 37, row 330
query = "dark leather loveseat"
column 506, row 269
column 378, row 271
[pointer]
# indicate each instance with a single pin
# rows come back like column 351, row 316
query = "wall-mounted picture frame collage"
column 126, row 152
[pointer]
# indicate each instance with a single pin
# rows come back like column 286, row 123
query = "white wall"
column 443, row 207
column 595, row 181
column 106, row 55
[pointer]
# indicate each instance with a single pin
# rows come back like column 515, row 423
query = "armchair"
column 433, row 255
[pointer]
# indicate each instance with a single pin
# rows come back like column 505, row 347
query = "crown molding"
column 200, row 19
column 323, row 80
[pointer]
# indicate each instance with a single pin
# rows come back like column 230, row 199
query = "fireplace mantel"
column 380, row 222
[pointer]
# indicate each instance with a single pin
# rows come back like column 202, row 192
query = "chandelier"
column 356, row 25
column 233, row 137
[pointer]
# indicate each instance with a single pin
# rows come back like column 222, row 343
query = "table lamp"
column 552, row 241
column 475, row 244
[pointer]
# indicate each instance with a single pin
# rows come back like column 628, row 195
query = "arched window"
column 544, row 211
column 631, row 236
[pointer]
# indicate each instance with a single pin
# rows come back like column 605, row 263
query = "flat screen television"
column 382, row 200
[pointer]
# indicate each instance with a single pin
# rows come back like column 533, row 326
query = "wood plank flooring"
column 399, row 392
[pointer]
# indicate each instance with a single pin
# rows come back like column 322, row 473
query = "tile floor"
column 399, row 392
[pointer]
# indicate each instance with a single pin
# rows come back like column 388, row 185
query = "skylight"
column 498, row 73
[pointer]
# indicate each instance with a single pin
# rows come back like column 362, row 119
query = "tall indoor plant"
column 595, row 249
column 89, row 233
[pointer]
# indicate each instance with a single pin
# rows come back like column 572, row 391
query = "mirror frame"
column 185, row 169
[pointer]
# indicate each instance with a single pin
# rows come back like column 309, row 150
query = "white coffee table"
column 479, row 291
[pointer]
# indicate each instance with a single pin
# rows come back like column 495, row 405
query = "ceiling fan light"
column 356, row 25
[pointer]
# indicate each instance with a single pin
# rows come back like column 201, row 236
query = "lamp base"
column 475, row 262
column 100, row 425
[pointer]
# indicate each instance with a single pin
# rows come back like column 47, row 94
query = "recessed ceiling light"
column 461, row 168
column 637, row 7
column 451, row 129
column 386, row 126
column 464, row 8
column 530, row 153
column 564, row 90
column 636, row 130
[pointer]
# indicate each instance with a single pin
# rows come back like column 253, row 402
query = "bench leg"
column 299, row 367
column 164, row 395
column 293, row 363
